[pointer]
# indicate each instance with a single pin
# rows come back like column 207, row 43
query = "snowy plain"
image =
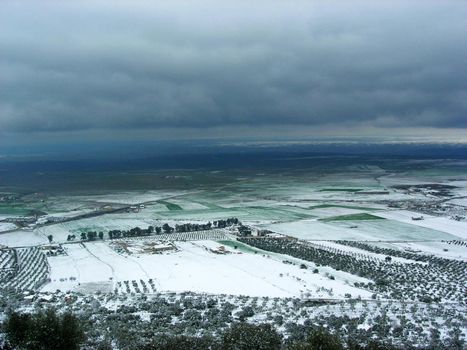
column 195, row 267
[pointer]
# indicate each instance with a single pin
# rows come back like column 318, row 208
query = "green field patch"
column 353, row 217
column 170, row 206
column 13, row 209
column 238, row 246
column 324, row 206
column 340, row 189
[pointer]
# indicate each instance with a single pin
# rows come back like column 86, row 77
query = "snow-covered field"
column 443, row 224
column 194, row 267
column 6, row 226
column 22, row 238
column 129, row 197
column 333, row 211
column 373, row 230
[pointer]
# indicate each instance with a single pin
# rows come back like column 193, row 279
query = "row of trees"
column 134, row 232
column 189, row 227
column 165, row 229
column 91, row 235
column 226, row 223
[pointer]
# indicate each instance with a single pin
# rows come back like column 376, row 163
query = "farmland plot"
column 274, row 214
column 313, row 230
column 197, row 214
column 325, row 212
column 22, row 238
column 8, row 265
column 129, row 197
column 335, row 247
column 6, row 226
column 388, row 230
column 458, row 229
column 427, row 279
column 59, row 231
column 78, row 270
column 108, row 222
column 384, row 230
column 195, row 266
column 31, row 270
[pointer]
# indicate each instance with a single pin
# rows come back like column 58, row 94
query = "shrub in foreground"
column 45, row 330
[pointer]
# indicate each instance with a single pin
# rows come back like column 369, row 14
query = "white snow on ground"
column 77, row 269
column 58, row 231
column 461, row 185
column 384, row 230
column 390, row 230
column 237, row 200
column 459, row 201
column 311, row 230
column 5, row 226
column 443, row 224
column 329, row 196
column 68, row 214
column 314, row 230
column 195, row 268
column 22, row 238
column 334, row 211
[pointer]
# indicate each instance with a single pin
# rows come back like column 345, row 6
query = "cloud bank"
column 89, row 65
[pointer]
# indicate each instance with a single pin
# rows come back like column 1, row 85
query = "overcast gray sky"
column 200, row 68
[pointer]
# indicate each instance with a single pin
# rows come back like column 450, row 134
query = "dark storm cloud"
column 198, row 64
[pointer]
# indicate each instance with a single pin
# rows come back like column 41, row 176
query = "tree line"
column 155, row 230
